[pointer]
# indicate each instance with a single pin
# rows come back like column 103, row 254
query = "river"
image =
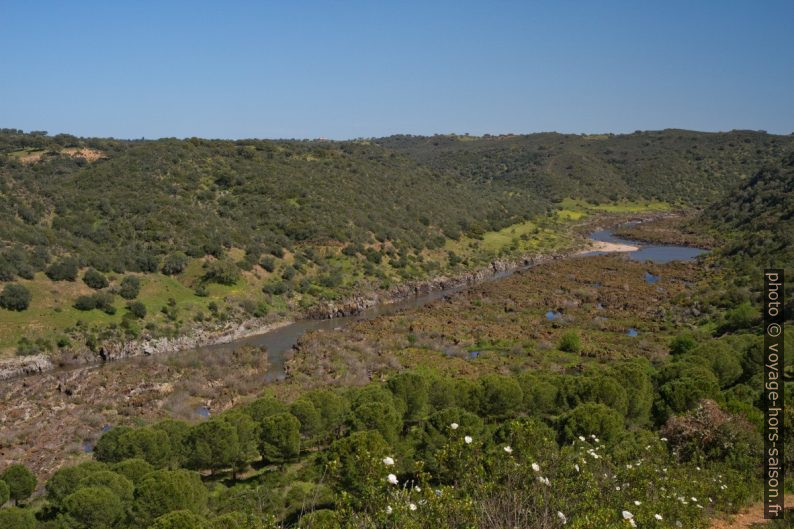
column 278, row 341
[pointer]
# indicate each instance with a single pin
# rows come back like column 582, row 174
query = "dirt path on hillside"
column 753, row 515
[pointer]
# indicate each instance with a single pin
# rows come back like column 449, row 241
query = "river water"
column 278, row 341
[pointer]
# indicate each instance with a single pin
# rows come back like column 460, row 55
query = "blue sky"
column 304, row 69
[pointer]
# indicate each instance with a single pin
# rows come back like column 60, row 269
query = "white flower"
column 664, row 439
column 581, row 438
column 657, row 516
column 617, row 487
column 389, row 510
column 592, row 436
column 412, row 506
column 417, row 489
column 627, row 515
column 508, row 449
column 535, row 467
column 391, row 478
column 632, row 523
column 562, row 517
column 637, row 503
column 694, row 499
column 576, row 467
column 468, row 439
column 388, row 461
column 454, row 426
column 595, row 439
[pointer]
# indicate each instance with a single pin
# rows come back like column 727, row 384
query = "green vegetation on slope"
column 674, row 166
column 757, row 218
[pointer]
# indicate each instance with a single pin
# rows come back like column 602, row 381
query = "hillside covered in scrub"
column 125, row 205
column 757, row 218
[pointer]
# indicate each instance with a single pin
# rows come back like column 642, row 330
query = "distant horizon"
column 358, row 69
column 437, row 134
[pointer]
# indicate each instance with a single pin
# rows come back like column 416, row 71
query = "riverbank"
column 206, row 336
column 203, row 337
column 608, row 247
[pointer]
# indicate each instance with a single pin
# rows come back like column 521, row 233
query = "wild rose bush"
column 518, row 477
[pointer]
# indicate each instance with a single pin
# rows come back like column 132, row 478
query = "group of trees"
column 152, row 476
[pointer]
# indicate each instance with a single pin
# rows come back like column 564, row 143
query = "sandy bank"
column 603, row 246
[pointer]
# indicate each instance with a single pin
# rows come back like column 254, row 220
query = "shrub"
column 134, row 469
column 268, row 263
column 137, row 309
column 379, row 416
column 130, row 287
column 96, row 507
column 15, row 297
column 540, row 394
column 223, row 271
column 411, row 393
column 101, row 300
column 354, row 457
column 570, row 342
column 66, row 480
column 164, row 491
column 85, row 303
column 500, row 396
column 5, row 493
column 741, row 317
column 26, row 347
column 591, row 419
column 682, row 344
column 174, row 263
column 16, row 518
column 95, row 279
column 180, row 520
column 711, row 433
column 63, row 270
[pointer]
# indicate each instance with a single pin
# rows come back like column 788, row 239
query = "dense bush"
column 223, row 271
column 94, row 279
column 130, row 287
column 63, row 270
column 570, row 342
column 137, row 309
column 101, row 300
column 174, row 263
column 15, row 297
column 591, row 419
column 5, row 493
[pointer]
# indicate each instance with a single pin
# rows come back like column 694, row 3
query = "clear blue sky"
column 233, row 69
